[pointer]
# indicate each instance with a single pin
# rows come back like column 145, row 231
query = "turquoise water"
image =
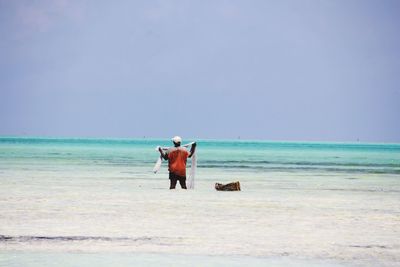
column 335, row 203
column 252, row 156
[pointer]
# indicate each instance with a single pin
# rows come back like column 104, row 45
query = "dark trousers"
column 175, row 178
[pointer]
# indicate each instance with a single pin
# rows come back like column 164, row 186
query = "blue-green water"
column 257, row 156
column 333, row 202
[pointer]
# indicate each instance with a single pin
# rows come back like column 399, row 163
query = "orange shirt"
column 177, row 157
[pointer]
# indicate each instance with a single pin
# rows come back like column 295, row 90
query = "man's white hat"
column 177, row 139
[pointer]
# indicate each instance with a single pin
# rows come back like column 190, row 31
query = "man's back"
column 177, row 157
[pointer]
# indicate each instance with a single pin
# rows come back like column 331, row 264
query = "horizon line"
column 194, row 138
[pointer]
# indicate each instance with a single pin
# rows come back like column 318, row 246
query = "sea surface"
column 96, row 202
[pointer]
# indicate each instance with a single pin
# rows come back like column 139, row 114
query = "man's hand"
column 163, row 155
column 192, row 149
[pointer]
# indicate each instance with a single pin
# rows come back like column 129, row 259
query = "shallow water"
column 313, row 202
column 35, row 259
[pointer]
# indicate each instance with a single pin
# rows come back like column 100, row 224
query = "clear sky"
column 275, row 70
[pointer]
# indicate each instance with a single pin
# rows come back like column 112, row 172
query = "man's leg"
column 182, row 181
column 173, row 180
column 173, row 183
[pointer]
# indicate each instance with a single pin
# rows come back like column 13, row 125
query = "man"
column 177, row 157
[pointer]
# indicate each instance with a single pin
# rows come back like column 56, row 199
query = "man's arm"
column 163, row 155
column 192, row 149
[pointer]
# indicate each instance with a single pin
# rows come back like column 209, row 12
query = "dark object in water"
column 235, row 186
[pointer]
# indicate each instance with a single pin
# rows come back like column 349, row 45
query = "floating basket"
column 234, row 186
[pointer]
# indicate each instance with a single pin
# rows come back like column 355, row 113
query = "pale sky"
column 273, row 70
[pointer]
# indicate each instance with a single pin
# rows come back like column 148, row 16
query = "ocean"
column 96, row 202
